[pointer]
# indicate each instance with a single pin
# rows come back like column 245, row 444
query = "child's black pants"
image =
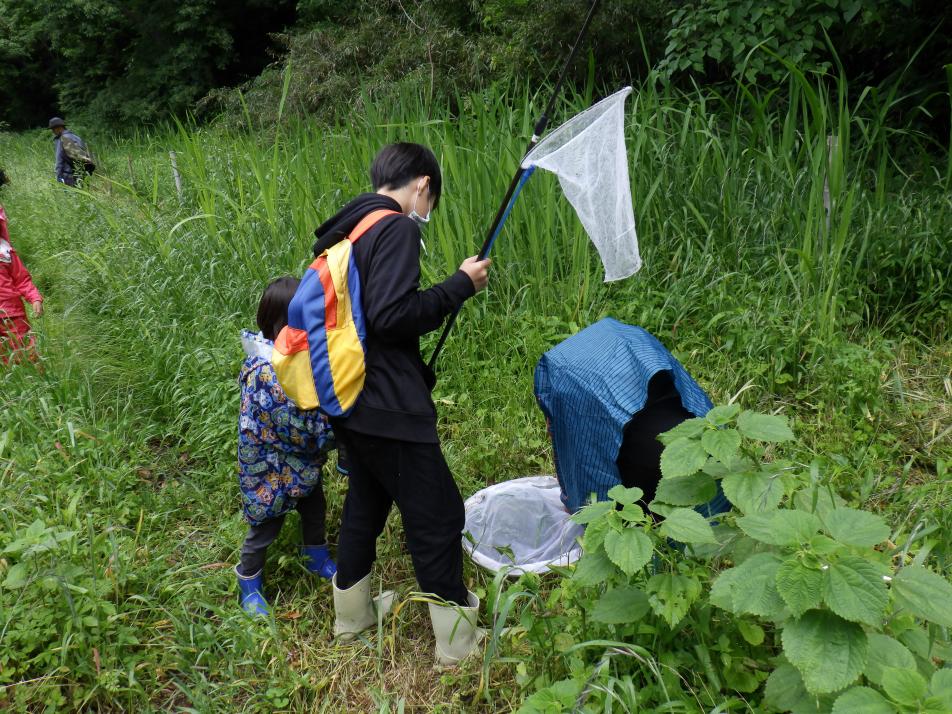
column 313, row 510
column 416, row 478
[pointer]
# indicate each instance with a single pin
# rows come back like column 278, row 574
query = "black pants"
column 313, row 510
column 639, row 459
column 416, row 478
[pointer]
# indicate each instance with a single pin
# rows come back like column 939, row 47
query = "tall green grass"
column 122, row 448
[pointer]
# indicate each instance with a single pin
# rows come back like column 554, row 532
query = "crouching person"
column 630, row 389
column 281, row 454
column 390, row 434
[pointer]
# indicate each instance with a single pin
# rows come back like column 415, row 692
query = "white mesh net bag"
column 522, row 525
column 588, row 155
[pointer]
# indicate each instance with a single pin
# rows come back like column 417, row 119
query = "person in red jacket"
column 16, row 285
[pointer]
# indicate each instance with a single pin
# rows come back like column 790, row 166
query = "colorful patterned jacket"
column 281, row 450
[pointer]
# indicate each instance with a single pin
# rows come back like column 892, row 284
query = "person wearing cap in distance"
column 69, row 151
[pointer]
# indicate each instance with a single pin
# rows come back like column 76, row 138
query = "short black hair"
column 395, row 165
column 273, row 308
column 3, row 177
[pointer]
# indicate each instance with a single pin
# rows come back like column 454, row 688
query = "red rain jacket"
column 16, row 285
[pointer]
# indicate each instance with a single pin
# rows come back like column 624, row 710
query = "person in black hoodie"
column 390, row 435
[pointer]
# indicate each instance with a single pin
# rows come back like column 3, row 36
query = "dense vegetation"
column 128, row 61
column 116, row 62
column 120, row 519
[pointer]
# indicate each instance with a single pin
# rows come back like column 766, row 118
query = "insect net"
column 521, row 526
column 588, row 155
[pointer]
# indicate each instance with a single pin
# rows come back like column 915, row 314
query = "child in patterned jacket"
column 281, row 453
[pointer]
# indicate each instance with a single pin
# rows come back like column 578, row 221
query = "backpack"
column 319, row 356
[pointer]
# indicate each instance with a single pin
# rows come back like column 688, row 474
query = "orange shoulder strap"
column 368, row 222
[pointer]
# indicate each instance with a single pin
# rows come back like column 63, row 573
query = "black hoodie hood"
column 339, row 226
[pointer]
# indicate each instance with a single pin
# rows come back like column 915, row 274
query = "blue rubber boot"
column 252, row 599
column 317, row 559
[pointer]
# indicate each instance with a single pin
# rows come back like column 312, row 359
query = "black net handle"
column 536, row 135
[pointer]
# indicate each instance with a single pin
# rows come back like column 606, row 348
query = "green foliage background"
column 118, row 63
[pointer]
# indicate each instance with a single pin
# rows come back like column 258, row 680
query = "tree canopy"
column 123, row 61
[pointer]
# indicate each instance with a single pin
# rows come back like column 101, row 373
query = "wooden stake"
column 827, row 204
column 176, row 176
column 132, row 175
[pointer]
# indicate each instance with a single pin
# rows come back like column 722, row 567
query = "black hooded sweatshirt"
column 395, row 402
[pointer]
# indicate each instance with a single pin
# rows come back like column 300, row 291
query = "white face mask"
column 416, row 217
column 6, row 252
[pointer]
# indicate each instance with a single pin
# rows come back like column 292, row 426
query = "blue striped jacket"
column 589, row 387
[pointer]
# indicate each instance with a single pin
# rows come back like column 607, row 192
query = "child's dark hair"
column 273, row 308
column 395, row 165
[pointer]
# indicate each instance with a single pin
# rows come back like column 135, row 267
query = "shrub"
column 794, row 601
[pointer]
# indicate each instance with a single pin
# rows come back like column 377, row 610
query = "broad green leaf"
column 886, row 652
column 753, row 633
column 16, row 576
column 687, row 526
column 754, row 588
column 784, row 527
column 800, row 587
column 753, row 492
column 662, row 509
column 630, row 549
column 941, row 686
column 625, row 496
column 592, row 512
column 722, row 590
column 620, row 606
column 722, row 444
column 594, row 535
column 716, row 469
column 558, row 697
column 917, row 640
column 723, row 414
column 740, row 678
column 35, row 529
column 853, row 588
column 855, row 527
column 686, row 490
column 682, row 457
column 688, row 429
column 822, row 546
column 785, row 692
column 764, row 427
column 818, row 500
column 671, row 596
column 830, row 652
column 924, row 594
column 593, row 568
column 905, row 686
column 862, row 700
column 633, row 513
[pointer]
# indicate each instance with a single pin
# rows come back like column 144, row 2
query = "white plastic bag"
column 255, row 345
column 588, row 155
column 520, row 524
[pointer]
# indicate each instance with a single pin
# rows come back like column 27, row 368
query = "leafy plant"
column 792, row 576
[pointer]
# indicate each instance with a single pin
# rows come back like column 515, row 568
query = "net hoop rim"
column 621, row 94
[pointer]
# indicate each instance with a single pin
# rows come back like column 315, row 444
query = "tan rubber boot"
column 354, row 609
column 454, row 628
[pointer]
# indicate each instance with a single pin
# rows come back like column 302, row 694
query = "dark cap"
column 55, row 122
